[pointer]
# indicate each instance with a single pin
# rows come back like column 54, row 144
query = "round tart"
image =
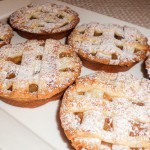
column 44, row 21
column 109, row 47
column 107, row 111
column 6, row 34
column 35, row 72
column 147, row 63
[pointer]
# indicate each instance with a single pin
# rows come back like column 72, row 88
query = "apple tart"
column 35, row 72
column 109, row 47
column 44, row 21
column 107, row 111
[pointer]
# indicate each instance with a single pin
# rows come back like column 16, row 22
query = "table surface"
column 133, row 11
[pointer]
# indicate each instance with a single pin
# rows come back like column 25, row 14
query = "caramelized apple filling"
column 33, row 88
column 107, row 97
column 66, row 70
column 107, row 144
column 65, row 54
column 97, row 33
column 10, row 88
column 114, row 56
column 118, row 37
column 80, row 115
column 11, row 76
column 138, row 129
column 39, row 57
column 108, row 124
column 16, row 60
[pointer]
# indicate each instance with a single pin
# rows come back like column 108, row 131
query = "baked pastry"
column 109, row 47
column 6, row 34
column 147, row 63
column 107, row 111
column 34, row 72
column 44, row 21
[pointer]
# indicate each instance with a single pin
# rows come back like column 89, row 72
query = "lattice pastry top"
column 44, row 19
column 6, row 34
column 107, row 111
column 36, row 70
column 147, row 62
column 109, row 44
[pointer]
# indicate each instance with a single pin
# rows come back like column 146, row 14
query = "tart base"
column 30, row 104
column 107, row 68
column 56, row 36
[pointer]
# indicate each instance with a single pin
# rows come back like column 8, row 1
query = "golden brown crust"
column 34, row 71
column 103, row 67
column 109, row 44
column 46, row 21
column 30, row 103
column 56, row 36
column 107, row 111
column 6, row 34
